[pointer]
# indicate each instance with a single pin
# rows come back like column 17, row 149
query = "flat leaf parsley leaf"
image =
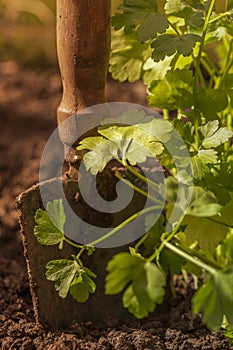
column 133, row 143
column 215, row 299
column 50, row 223
column 174, row 91
column 191, row 11
column 71, row 276
column 142, row 281
column 203, row 203
column 169, row 44
column 82, row 286
column 101, row 152
column 143, row 15
column 127, row 56
column 213, row 135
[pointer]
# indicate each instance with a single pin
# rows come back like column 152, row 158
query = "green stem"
column 174, row 28
column 166, row 114
column 162, row 245
column 194, row 252
column 172, row 287
column 133, row 171
column 197, row 67
column 191, row 145
column 202, row 80
column 67, row 240
column 141, row 241
column 219, row 222
column 139, row 190
column 123, row 224
column 188, row 257
column 205, row 27
column 196, row 135
column 218, row 17
column 229, row 120
column 80, row 252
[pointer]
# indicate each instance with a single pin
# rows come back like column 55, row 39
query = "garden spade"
column 83, row 39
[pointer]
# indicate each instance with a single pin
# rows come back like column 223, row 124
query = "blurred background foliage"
column 27, row 31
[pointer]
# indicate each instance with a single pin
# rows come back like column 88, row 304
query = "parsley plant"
column 169, row 51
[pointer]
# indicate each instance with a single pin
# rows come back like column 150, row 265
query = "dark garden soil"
column 27, row 109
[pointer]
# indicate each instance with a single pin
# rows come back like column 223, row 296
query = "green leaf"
column 209, row 128
column 219, row 137
column 130, row 117
column 191, row 12
column 152, row 25
column 134, row 143
column 224, row 251
column 56, row 212
column 168, row 44
column 200, row 169
column 50, row 223
column 176, row 7
column 144, row 16
column 208, row 156
column 101, row 152
column 145, row 292
column 81, row 288
column 71, row 276
column 228, row 333
column 228, row 81
column 150, row 5
column 127, row 56
column 215, row 299
column 155, row 282
column 226, row 212
column 214, row 136
column 183, row 62
column 230, row 94
column 207, row 233
column 144, row 283
column 90, row 143
column 138, row 306
column 220, row 182
column 193, row 269
column 157, row 129
column 228, row 87
column 195, row 19
column 175, row 91
column 203, row 203
column 121, row 271
column 62, row 272
column 206, row 300
column 186, row 131
column 171, row 262
column 156, row 70
column 155, row 227
column 210, row 102
column 195, row 4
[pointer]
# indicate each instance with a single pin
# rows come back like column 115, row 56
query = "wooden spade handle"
column 83, row 40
